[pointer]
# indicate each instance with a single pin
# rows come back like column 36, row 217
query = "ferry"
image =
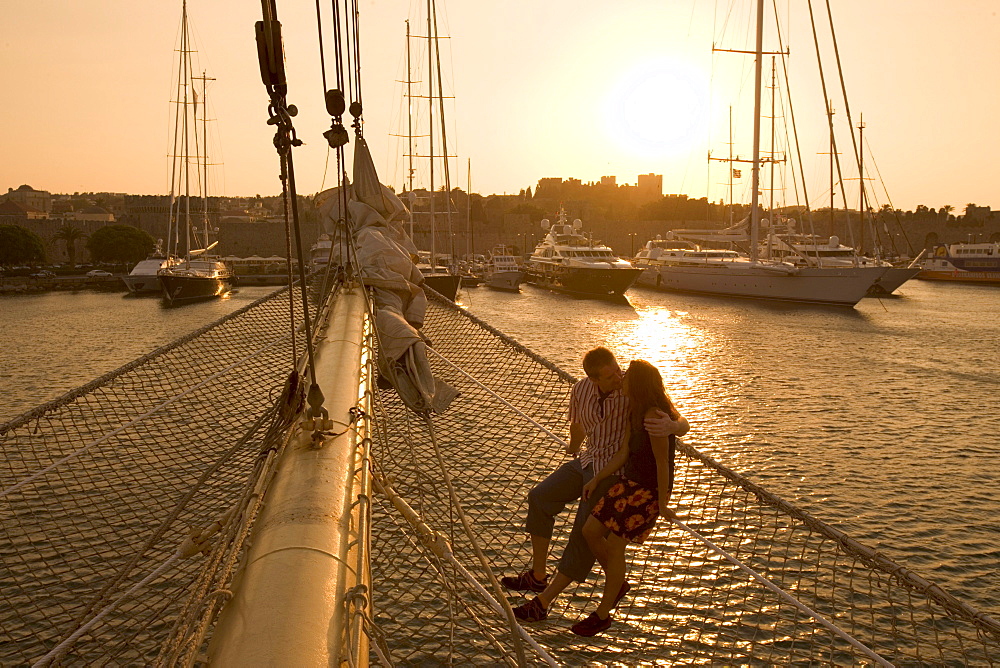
column 964, row 263
column 568, row 261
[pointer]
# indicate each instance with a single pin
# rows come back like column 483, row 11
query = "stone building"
column 39, row 200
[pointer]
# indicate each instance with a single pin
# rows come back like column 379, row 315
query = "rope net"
column 688, row 604
column 98, row 490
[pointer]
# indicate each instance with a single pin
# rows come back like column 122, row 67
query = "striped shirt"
column 604, row 422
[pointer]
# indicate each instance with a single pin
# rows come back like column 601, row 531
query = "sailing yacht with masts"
column 437, row 276
column 190, row 272
column 690, row 268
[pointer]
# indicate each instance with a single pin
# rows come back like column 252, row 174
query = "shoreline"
column 22, row 285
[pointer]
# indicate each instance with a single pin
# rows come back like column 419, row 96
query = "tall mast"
column 409, row 126
column 444, row 137
column 829, row 113
column 862, row 209
column 185, row 64
column 468, row 211
column 774, row 88
column 430, row 100
column 730, row 165
column 754, row 212
column 204, row 78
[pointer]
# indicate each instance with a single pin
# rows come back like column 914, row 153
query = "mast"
column 754, row 212
column 730, row 165
column 444, row 137
column 409, row 126
column 829, row 113
column 430, row 101
column 468, row 211
column 862, row 209
column 770, row 206
column 185, row 142
column 204, row 78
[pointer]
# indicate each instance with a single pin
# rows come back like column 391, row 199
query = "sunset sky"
column 563, row 88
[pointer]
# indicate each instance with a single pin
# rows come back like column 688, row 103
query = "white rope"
column 155, row 409
column 788, row 597
column 764, row 581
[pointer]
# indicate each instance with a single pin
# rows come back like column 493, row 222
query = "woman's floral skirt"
column 629, row 510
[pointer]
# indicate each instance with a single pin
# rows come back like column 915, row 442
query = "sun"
column 658, row 108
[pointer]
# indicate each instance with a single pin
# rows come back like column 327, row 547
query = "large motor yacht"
column 568, row 261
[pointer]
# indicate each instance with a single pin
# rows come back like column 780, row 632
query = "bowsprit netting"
column 689, row 604
column 100, row 488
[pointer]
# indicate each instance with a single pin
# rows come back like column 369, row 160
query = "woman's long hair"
column 645, row 390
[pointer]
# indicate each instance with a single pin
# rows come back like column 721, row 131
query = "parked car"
column 93, row 273
column 44, row 273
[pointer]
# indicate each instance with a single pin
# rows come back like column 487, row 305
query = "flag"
column 736, row 173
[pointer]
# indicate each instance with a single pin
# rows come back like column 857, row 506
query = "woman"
column 628, row 512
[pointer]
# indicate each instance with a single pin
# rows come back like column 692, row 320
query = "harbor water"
column 881, row 420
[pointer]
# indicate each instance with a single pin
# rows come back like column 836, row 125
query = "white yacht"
column 502, row 270
column 804, row 250
column 143, row 278
column 568, row 261
column 685, row 267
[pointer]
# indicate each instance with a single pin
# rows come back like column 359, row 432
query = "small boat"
column 963, row 263
column 568, row 261
column 502, row 271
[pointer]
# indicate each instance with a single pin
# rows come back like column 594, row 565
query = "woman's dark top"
column 641, row 464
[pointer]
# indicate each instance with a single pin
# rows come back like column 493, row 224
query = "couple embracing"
column 622, row 431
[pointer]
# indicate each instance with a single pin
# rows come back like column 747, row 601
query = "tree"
column 69, row 235
column 19, row 245
column 120, row 244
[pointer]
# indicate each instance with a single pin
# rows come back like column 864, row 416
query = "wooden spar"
column 309, row 546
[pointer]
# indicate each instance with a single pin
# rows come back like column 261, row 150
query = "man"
column 598, row 414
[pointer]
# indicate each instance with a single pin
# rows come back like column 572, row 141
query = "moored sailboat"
column 755, row 274
column 194, row 274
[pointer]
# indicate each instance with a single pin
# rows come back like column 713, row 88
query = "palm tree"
column 946, row 209
column 69, row 235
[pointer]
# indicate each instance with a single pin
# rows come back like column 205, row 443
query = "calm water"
column 881, row 420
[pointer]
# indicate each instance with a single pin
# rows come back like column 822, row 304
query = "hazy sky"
column 568, row 88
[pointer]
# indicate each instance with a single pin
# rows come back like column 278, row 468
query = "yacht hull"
column 445, row 285
column 835, row 286
column 583, row 281
column 142, row 285
column 892, row 279
column 182, row 289
column 506, row 281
